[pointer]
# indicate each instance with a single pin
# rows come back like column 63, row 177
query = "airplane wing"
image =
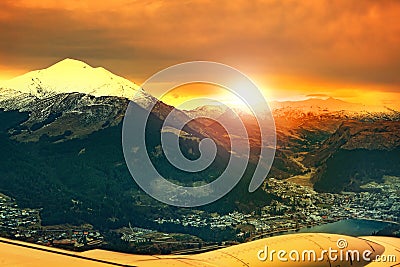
column 288, row 250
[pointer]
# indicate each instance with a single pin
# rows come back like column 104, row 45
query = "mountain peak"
column 332, row 99
column 70, row 63
column 72, row 75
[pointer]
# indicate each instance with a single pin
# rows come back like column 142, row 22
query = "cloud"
column 341, row 43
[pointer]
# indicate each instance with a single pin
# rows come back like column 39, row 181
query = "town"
column 294, row 207
column 24, row 224
column 300, row 206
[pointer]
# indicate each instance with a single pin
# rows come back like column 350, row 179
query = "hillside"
column 63, row 141
column 357, row 153
column 62, row 151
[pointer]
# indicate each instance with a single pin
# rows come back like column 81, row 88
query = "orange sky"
column 291, row 49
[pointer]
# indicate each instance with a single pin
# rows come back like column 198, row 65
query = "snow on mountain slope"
column 326, row 105
column 70, row 76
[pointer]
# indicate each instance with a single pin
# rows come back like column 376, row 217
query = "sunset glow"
column 199, row 133
column 193, row 95
column 341, row 49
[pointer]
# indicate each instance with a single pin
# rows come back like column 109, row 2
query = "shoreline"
column 295, row 230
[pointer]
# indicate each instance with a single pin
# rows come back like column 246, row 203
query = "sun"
column 193, row 95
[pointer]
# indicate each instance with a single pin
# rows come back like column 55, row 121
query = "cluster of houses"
column 24, row 224
column 12, row 217
column 300, row 206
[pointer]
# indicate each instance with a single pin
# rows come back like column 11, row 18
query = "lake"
column 352, row 227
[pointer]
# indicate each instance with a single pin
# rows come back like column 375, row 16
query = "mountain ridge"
column 66, row 113
column 75, row 76
column 327, row 105
column 356, row 153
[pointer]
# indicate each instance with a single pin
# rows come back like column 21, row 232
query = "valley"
column 62, row 156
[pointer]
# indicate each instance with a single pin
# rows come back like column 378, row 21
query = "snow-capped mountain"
column 71, row 99
column 73, row 76
column 69, row 96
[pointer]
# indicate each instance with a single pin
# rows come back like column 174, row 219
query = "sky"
column 290, row 49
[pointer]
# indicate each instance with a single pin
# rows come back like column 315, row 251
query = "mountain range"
column 61, row 139
column 62, row 146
